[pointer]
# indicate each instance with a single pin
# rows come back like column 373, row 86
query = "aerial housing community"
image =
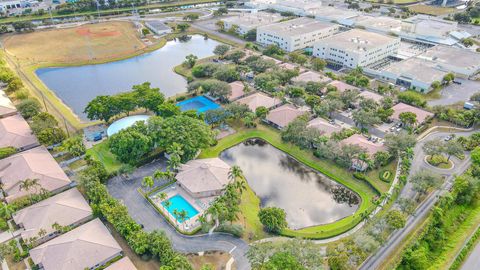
column 262, row 134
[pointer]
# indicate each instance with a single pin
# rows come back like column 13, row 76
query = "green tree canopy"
column 273, row 219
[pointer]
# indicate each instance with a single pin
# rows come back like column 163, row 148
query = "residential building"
column 68, row 208
column 237, row 90
column 341, row 86
column 413, row 73
column 259, row 99
column 247, row 21
column 15, row 132
column 360, row 140
column 422, row 115
column 356, row 48
column 295, row 34
column 461, row 62
column 86, row 247
column 123, row 264
column 327, row 128
column 34, row 164
column 6, row 106
column 203, row 177
column 371, row 95
column 310, row 76
column 281, row 116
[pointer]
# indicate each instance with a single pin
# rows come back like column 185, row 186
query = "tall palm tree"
column 167, row 204
column 182, row 216
column 163, row 196
column 148, row 182
column 28, row 184
column 235, row 172
column 176, row 214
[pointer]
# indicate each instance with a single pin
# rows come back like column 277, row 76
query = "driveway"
column 141, row 211
column 418, row 163
column 454, row 93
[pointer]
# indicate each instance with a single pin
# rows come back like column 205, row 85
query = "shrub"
column 385, row 175
column 180, row 98
column 21, row 94
column 360, row 176
column 29, row 107
column 235, row 229
column 273, row 219
column 7, row 151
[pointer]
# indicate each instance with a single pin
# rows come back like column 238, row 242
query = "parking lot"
column 455, row 93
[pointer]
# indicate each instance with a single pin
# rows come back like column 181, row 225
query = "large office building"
column 356, row 48
column 246, row 21
column 461, row 62
column 295, row 34
column 297, row 7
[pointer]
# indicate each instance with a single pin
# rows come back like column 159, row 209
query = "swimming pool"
column 200, row 104
column 178, row 203
column 125, row 122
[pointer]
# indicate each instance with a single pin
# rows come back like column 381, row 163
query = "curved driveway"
column 141, row 211
column 418, row 163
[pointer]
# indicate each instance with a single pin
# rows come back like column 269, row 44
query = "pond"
column 308, row 197
column 76, row 86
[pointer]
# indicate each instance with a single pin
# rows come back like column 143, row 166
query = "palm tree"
column 163, row 196
column 28, row 184
column 182, row 216
column 148, row 182
column 167, row 204
column 176, row 214
column 6, row 211
column 235, row 172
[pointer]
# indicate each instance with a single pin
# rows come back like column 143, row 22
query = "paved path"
column 418, row 163
column 473, row 260
column 140, row 210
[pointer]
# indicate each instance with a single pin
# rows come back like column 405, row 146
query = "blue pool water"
column 124, row 123
column 200, row 104
column 179, row 203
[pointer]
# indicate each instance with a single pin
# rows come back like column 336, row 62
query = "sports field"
column 89, row 42
column 431, row 10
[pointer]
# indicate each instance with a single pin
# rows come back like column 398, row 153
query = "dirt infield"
column 89, row 42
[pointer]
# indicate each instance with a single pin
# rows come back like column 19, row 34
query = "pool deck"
column 200, row 204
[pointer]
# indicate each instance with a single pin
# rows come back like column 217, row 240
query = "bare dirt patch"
column 215, row 259
column 89, row 42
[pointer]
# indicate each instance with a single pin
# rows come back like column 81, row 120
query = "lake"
column 308, row 197
column 76, row 86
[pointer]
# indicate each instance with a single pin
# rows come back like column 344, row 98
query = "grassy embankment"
column 250, row 206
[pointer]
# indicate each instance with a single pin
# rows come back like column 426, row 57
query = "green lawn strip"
column 374, row 176
column 102, row 153
column 466, row 250
column 250, row 206
column 336, row 173
column 103, row 12
column 457, row 238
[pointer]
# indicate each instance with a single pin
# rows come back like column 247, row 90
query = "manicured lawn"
column 431, row 10
column 101, row 153
column 374, row 176
column 328, row 168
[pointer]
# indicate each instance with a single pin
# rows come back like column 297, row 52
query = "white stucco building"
column 295, row 34
column 297, row 7
column 247, row 21
column 356, row 48
column 461, row 62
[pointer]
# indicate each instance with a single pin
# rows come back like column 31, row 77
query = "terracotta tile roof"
column 283, row 115
column 237, row 88
column 80, row 248
column 310, row 76
column 66, row 208
column 324, row 126
column 371, row 95
column 361, row 141
column 402, row 107
column 201, row 175
column 15, row 131
column 36, row 163
column 342, row 87
column 258, row 99
column 123, row 264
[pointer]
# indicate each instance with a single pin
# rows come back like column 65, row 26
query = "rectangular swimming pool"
column 179, row 203
column 200, row 104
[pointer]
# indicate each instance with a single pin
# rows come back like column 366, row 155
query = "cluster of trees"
column 462, row 117
column 467, row 16
column 46, row 128
column 449, row 212
column 295, row 254
column 226, row 207
column 217, row 89
column 273, row 219
column 91, row 5
column 74, row 146
column 371, row 113
column 437, row 148
column 412, row 98
column 356, row 77
column 154, row 244
column 142, row 96
column 135, row 142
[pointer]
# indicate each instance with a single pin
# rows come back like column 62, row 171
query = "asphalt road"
column 473, row 260
column 142, row 212
column 418, row 163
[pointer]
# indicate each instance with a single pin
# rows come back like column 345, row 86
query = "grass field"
column 79, row 44
column 326, row 167
column 431, row 10
column 102, row 153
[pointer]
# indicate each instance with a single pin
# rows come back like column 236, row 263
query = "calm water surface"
column 308, row 197
column 76, row 86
